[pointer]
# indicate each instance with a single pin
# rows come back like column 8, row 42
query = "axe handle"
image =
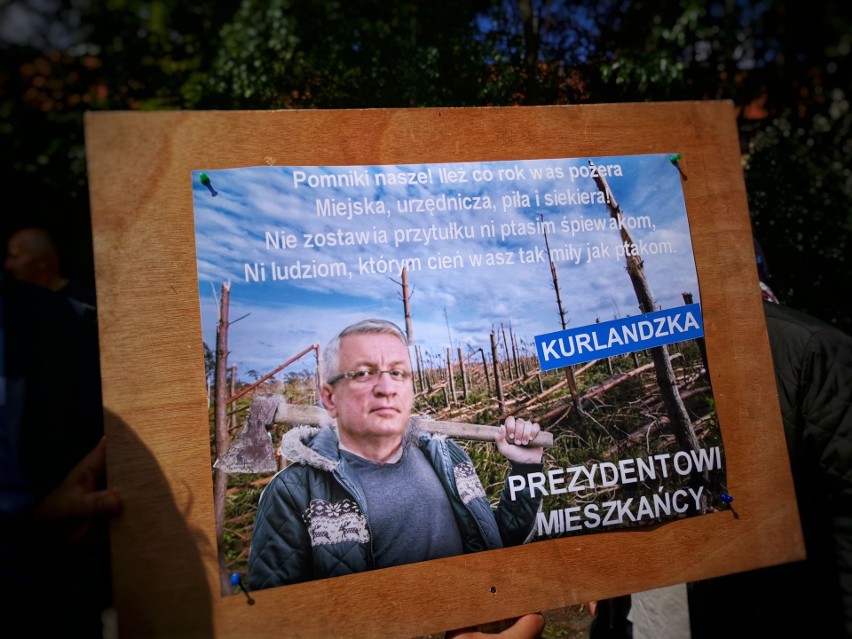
column 316, row 416
column 476, row 432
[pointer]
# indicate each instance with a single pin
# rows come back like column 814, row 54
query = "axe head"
column 252, row 450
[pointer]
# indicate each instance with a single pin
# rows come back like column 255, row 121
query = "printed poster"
column 563, row 291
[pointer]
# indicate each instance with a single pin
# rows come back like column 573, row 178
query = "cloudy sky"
column 308, row 250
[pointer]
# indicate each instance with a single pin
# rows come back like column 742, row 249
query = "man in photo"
column 377, row 491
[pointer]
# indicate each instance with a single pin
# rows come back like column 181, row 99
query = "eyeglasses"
column 370, row 376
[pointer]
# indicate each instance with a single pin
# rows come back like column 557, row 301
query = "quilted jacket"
column 813, row 373
column 312, row 521
column 813, row 370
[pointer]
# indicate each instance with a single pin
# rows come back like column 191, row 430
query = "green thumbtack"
column 673, row 159
column 205, row 180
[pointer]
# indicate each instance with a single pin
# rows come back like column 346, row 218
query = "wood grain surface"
column 154, row 392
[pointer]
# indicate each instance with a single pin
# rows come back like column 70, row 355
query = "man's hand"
column 77, row 503
column 513, row 438
column 525, row 627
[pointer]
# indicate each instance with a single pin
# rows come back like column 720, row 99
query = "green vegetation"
column 784, row 66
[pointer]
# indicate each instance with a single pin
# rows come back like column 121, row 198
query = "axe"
column 252, row 449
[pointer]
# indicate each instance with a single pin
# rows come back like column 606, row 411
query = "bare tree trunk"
column 485, row 368
column 274, row 371
column 497, row 384
column 702, row 346
column 418, row 361
column 681, row 424
column 569, row 370
column 406, row 307
column 506, row 354
column 317, row 376
column 223, row 440
column 463, row 374
column 515, row 361
column 233, row 389
column 451, row 383
column 520, row 358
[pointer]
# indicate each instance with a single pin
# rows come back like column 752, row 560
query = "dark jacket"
column 312, row 521
column 813, row 372
column 811, row 598
column 52, row 417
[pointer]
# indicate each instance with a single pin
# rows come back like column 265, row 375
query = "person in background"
column 31, row 256
column 54, row 555
column 375, row 491
column 813, row 371
column 812, row 364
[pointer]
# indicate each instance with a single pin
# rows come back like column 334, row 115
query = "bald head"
column 31, row 256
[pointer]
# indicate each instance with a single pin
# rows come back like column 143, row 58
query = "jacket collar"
column 319, row 446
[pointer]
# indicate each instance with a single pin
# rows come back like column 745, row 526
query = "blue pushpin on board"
column 727, row 499
column 236, row 580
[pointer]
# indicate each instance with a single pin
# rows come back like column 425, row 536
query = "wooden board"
column 164, row 549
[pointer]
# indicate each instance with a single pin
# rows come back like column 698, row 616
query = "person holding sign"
column 376, row 491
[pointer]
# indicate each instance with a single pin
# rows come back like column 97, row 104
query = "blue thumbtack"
column 205, row 180
column 725, row 497
column 236, row 580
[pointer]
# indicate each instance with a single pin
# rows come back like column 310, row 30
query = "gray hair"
column 331, row 354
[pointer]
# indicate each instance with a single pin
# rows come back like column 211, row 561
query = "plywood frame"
column 164, row 550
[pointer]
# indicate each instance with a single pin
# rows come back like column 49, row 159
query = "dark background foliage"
column 784, row 65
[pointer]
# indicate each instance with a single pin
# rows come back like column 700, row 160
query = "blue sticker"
column 616, row 337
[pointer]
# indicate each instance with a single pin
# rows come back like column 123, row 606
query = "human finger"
column 510, row 426
column 530, row 431
column 525, row 431
column 526, row 627
column 101, row 502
